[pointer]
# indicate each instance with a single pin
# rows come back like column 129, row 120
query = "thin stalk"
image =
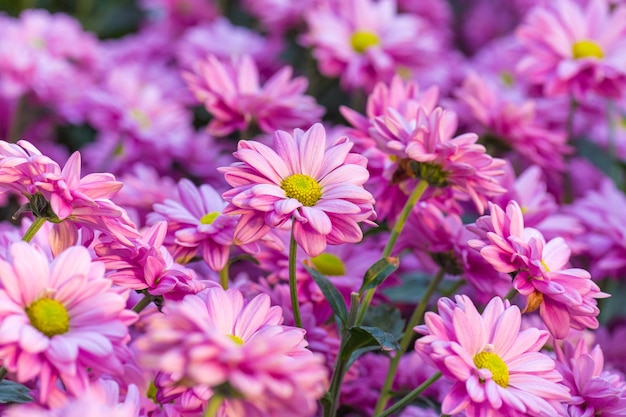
column 143, row 303
column 33, row 229
column 224, row 276
column 293, row 289
column 214, row 405
column 410, row 397
column 416, row 318
column 3, row 372
column 512, row 293
column 415, row 196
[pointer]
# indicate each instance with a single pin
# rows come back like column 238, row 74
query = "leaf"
column 332, row 294
column 12, row 392
column 364, row 336
column 411, row 290
column 379, row 272
column 386, row 318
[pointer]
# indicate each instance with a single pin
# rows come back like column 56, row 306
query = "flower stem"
column 3, row 372
column 410, row 397
column 293, row 289
column 33, row 229
column 214, row 405
column 224, row 276
column 415, row 196
column 415, row 319
column 143, row 303
column 512, row 293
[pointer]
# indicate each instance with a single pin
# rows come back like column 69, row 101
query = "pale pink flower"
column 496, row 368
column 196, row 224
column 278, row 16
column 595, row 391
column 215, row 339
column 60, row 320
column 303, row 178
column 574, row 49
column 234, row 95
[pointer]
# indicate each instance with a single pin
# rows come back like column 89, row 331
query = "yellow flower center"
column 238, row 340
column 48, row 316
column 141, row 118
column 329, row 265
column 209, row 218
column 363, row 39
column 586, row 49
column 303, row 188
column 507, row 78
column 491, row 361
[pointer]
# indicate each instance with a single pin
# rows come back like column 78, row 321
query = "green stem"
column 569, row 126
column 224, row 276
column 33, row 229
column 293, row 289
column 410, row 397
column 416, row 318
column 415, row 196
column 512, row 293
column 214, row 405
column 143, row 303
column 3, row 372
column 340, row 365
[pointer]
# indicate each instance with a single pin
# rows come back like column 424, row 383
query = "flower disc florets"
column 48, row 316
column 303, row 188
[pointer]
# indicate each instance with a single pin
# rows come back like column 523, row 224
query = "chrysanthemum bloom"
column 61, row 195
column 147, row 265
column 318, row 185
column 366, row 41
column 424, row 148
column 59, row 320
column 100, row 399
column 496, row 368
column 240, row 350
column 278, row 16
column 196, row 224
column 573, row 49
column 233, row 94
column 595, row 391
column 566, row 297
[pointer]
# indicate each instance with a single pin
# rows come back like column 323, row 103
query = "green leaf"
column 12, row 392
column 360, row 337
column 332, row 294
column 411, row 290
column 379, row 272
column 386, row 318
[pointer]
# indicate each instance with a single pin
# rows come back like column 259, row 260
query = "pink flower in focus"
column 318, row 185
column 233, row 94
column 496, row 368
column 239, row 349
column 366, row 41
column 573, row 49
column 595, row 391
column 59, row 320
column 196, row 224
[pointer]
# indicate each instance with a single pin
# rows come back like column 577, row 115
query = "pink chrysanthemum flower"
column 575, row 49
column 59, row 320
column 424, row 148
column 496, row 368
column 233, row 94
column 566, row 297
column 196, row 224
column 595, row 391
column 240, row 350
column 366, row 41
column 318, row 185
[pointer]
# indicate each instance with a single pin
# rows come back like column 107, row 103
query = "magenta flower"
column 196, row 224
column 595, row 391
column 60, row 320
column 366, row 41
column 496, row 368
column 233, row 94
column 239, row 349
column 573, row 49
column 317, row 185
column 565, row 296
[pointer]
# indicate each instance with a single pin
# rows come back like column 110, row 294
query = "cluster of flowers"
column 237, row 248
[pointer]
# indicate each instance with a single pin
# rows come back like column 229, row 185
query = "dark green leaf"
column 332, row 294
column 364, row 336
column 385, row 317
column 379, row 272
column 411, row 290
column 12, row 392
